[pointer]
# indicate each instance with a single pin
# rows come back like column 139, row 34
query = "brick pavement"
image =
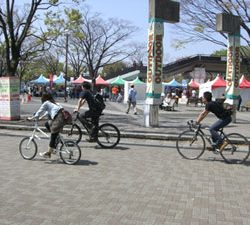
column 141, row 182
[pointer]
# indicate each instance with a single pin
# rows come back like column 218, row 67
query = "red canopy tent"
column 218, row 82
column 244, row 83
column 80, row 80
column 100, row 81
column 193, row 84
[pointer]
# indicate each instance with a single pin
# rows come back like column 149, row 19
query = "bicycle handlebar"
column 193, row 124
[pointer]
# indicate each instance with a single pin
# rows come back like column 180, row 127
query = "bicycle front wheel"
column 28, row 148
column 190, row 145
column 70, row 152
column 108, row 135
column 236, row 148
column 72, row 133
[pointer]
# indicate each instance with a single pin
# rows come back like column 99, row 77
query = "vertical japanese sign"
column 9, row 98
column 154, row 68
column 233, row 67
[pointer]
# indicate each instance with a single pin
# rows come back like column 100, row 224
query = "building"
column 200, row 67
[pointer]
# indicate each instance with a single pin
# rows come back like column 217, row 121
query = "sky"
column 136, row 11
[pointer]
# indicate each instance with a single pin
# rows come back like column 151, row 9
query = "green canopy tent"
column 118, row 81
column 137, row 81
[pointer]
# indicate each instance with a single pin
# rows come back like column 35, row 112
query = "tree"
column 111, row 69
column 245, row 51
column 17, row 26
column 199, row 20
column 64, row 25
column 104, row 41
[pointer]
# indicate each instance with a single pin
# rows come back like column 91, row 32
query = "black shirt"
column 86, row 94
column 217, row 109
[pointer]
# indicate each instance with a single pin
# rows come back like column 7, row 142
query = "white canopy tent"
column 216, row 86
column 244, row 90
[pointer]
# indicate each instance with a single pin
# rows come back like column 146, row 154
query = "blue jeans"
column 216, row 126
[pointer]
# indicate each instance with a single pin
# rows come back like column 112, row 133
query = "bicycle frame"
column 36, row 128
column 199, row 130
column 85, row 123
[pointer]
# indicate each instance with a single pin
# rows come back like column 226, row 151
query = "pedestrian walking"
column 132, row 99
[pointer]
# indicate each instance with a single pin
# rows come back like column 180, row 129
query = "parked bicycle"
column 69, row 151
column 191, row 144
column 108, row 134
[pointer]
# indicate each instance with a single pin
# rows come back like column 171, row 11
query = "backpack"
column 228, row 110
column 99, row 103
column 67, row 117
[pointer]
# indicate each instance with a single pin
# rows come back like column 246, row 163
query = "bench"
column 246, row 106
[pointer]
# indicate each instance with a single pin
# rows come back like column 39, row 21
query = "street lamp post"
column 66, row 67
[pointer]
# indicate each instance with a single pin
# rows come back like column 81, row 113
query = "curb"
column 124, row 134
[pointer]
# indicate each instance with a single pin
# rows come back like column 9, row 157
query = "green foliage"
column 57, row 22
column 199, row 28
column 222, row 52
column 113, row 68
column 244, row 50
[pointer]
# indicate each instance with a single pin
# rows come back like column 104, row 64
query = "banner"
column 9, row 98
column 233, row 67
column 154, row 67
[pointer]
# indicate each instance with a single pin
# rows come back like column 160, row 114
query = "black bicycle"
column 191, row 144
column 108, row 134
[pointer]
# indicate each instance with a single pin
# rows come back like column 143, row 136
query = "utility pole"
column 231, row 24
column 160, row 11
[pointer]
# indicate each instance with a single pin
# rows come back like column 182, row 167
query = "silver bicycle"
column 69, row 151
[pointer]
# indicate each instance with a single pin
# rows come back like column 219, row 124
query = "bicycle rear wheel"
column 190, row 145
column 108, row 135
column 72, row 133
column 28, row 148
column 70, row 152
column 236, row 149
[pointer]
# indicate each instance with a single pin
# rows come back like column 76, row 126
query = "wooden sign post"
column 160, row 11
column 231, row 24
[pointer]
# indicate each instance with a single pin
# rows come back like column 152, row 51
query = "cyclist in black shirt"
column 220, row 112
column 87, row 95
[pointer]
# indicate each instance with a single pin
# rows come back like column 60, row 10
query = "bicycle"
column 69, row 151
column 191, row 144
column 108, row 134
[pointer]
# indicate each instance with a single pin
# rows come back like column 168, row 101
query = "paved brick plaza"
column 140, row 182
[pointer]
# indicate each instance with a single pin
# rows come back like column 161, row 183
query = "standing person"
column 239, row 102
column 132, row 99
column 93, row 113
column 54, row 124
column 222, row 114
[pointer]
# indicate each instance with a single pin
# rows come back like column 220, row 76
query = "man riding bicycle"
column 93, row 112
column 221, row 113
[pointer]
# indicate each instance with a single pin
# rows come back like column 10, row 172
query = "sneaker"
column 45, row 154
column 210, row 148
column 91, row 139
column 54, row 151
